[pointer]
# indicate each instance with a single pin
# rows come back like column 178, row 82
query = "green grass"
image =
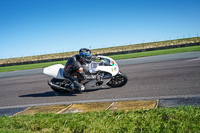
column 29, row 66
column 157, row 52
column 116, row 57
column 170, row 120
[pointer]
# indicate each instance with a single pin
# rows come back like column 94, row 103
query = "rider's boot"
column 78, row 86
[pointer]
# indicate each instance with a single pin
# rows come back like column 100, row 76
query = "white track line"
column 194, row 59
column 102, row 100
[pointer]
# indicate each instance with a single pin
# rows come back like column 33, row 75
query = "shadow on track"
column 48, row 94
column 53, row 93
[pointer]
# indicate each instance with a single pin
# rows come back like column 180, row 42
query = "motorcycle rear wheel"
column 57, row 82
column 118, row 81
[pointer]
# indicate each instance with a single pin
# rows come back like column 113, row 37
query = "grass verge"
column 116, row 57
column 179, row 119
column 157, row 52
column 29, row 66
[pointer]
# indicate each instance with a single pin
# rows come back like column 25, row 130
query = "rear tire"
column 118, row 81
column 57, row 82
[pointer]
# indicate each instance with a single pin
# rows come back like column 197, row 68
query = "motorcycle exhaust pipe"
column 57, row 86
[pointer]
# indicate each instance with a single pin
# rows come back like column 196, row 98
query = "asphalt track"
column 168, row 76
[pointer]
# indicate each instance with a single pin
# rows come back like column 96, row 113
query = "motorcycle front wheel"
column 118, row 81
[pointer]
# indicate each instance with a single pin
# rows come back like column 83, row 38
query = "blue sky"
column 35, row 27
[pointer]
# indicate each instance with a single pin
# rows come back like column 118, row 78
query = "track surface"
column 156, row 79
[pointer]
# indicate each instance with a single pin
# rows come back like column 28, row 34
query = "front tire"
column 118, row 81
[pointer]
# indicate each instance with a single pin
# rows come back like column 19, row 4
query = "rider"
column 75, row 65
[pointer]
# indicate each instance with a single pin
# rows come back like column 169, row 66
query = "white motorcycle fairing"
column 106, row 65
column 55, row 71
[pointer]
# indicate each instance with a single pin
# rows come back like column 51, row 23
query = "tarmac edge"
column 113, row 105
column 89, row 107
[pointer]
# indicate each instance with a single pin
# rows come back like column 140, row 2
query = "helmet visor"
column 87, row 56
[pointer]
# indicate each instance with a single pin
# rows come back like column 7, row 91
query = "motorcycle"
column 105, row 72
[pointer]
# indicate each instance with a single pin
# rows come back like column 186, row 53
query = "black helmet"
column 86, row 55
